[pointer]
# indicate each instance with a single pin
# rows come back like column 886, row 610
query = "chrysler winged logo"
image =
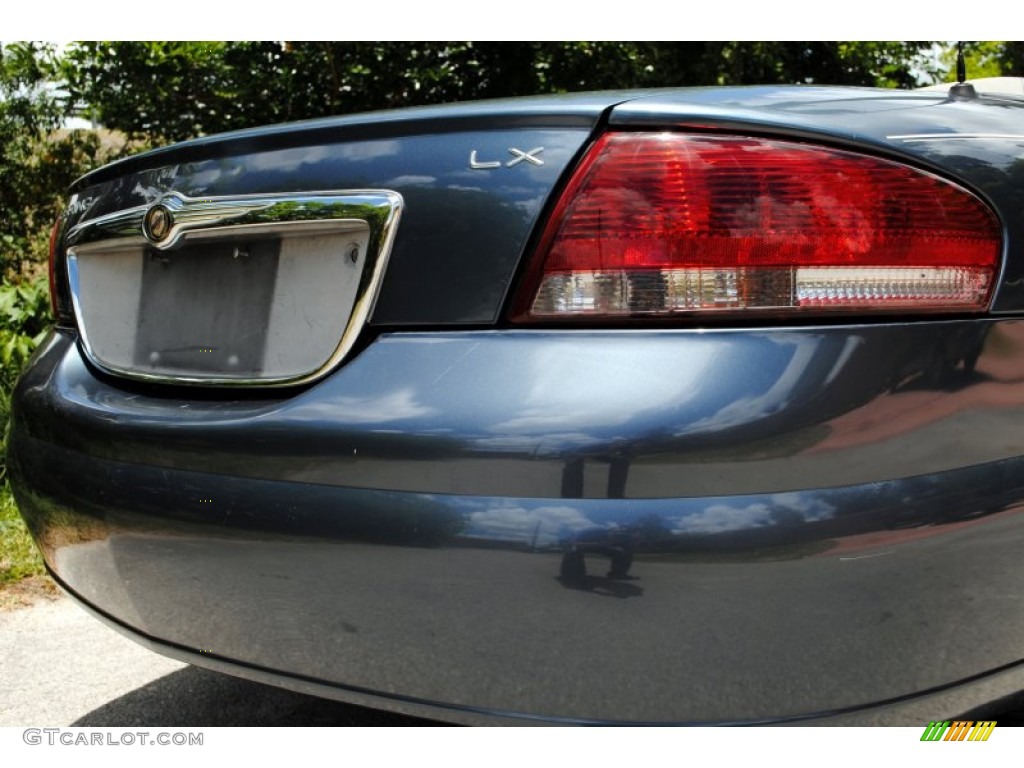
column 518, row 156
column 156, row 224
column 164, row 223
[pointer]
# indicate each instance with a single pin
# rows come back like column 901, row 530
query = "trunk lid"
column 257, row 257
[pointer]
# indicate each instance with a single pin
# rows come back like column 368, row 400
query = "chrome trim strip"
column 216, row 217
column 956, row 136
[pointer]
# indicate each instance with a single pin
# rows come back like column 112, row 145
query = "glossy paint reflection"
column 612, row 414
column 453, row 214
column 821, row 529
column 757, row 607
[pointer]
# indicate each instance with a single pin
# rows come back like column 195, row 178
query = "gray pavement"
column 59, row 666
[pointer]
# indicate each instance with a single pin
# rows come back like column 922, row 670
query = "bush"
column 24, row 319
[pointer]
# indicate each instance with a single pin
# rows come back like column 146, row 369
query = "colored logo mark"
column 959, row 730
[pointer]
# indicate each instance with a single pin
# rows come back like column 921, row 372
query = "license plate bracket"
column 205, row 308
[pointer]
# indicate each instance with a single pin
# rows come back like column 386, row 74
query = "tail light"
column 54, row 239
column 658, row 224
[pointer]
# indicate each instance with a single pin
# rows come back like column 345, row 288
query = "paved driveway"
column 59, row 667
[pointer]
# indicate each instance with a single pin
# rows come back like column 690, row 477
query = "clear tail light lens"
column 666, row 223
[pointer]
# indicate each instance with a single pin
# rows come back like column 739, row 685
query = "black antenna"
column 961, row 90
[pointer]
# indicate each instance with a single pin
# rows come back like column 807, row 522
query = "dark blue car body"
column 716, row 522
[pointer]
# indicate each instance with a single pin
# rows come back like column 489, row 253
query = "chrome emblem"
column 156, row 224
column 518, row 156
column 529, row 157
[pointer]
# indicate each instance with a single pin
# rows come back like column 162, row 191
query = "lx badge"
column 518, row 156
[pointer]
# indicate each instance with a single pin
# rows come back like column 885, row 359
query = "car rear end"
column 700, row 406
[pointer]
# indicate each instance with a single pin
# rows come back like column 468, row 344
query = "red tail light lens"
column 668, row 223
column 54, row 238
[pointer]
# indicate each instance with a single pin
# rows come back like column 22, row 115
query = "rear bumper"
column 799, row 523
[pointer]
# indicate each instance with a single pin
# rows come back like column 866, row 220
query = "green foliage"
column 38, row 160
column 988, row 58
column 24, row 319
column 171, row 91
column 1011, row 58
column 24, row 312
column 18, row 555
column 163, row 90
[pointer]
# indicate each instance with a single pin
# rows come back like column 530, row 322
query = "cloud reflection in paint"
column 720, row 518
column 541, row 526
column 398, row 405
column 566, row 393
